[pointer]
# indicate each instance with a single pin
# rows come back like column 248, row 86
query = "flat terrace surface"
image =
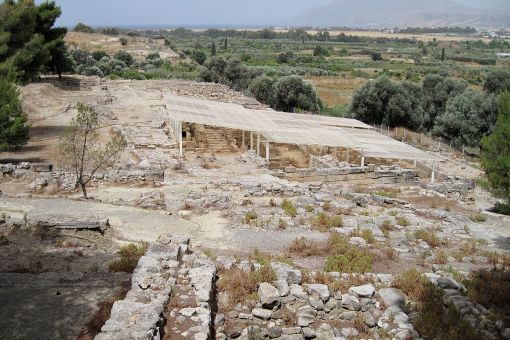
column 291, row 128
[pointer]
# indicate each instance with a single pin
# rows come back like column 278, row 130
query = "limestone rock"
column 260, row 313
column 269, row 296
column 392, row 297
column 365, row 291
column 321, row 290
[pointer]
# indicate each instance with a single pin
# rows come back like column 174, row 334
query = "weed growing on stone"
column 129, row 256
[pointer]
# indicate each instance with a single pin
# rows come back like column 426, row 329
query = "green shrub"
column 366, row 234
column 478, row 217
column 353, row 261
column 324, row 222
column 403, row 222
column 346, row 258
column 250, row 216
column 289, row 208
column 282, row 224
column 428, row 236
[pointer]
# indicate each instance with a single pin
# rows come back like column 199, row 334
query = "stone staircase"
column 210, row 140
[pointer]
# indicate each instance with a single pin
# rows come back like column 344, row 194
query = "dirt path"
column 128, row 223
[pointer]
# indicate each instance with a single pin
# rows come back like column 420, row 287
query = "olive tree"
column 292, row 92
column 467, row 118
column 80, row 150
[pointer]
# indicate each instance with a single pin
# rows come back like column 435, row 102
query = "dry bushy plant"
column 304, row 247
column 323, row 222
column 129, row 256
column 346, row 258
column 242, row 285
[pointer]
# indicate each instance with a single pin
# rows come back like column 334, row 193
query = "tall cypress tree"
column 496, row 151
column 213, row 49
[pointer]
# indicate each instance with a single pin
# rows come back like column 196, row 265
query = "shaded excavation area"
column 286, row 139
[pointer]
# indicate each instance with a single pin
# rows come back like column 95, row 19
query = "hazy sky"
column 180, row 12
column 197, row 12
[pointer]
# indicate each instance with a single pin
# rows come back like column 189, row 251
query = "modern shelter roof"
column 292, row 128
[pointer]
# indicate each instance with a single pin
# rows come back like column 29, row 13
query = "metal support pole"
column 258, row 144
column 179, row 129
column 242, row 144
column 415, row 163
column 267, row 152
column 433, row 177
column 362, row 158
column 347, row 158
column 251, row 140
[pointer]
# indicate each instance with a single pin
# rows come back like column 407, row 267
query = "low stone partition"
column 43, row 175
column 368, row 174
column 140, row 314
column 146, row 312
column 455, row 188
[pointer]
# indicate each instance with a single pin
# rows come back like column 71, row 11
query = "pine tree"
column 496, row 151
column 443, row 54
column 226, row 41
column 14, row 127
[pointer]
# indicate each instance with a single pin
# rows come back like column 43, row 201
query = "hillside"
column 398, row 13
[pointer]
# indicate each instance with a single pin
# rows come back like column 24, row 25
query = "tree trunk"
column 84, row 190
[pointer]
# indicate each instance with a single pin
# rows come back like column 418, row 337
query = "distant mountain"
column 405, row 13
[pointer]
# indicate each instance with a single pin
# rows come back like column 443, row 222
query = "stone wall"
column 141, row 314
column 368, row 174
column 42, row 175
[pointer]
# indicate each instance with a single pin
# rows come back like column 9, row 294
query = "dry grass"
column 441, row 257
column 129, row 256
column 249, row 217
column 478, row 217
column 490, row 289
column 210, row 165
column 242, row 286
column 471, row 247
column 391, row 193
column 336, row 90
column 366, row 234
column 324, row 222
column 282, row 224
column 246, row 203
column 304, row 247
column 386, row 227
column 403, row 222
column 433, row 320
column 429, row 236
column 412, row 283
